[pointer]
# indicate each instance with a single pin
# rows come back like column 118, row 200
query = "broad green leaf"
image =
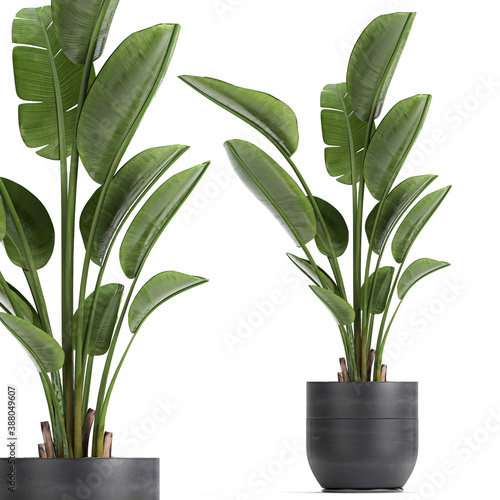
column 306, row 267
column 416, row 271
column 415, row 221
column 336, row 227
column 394, row 206
column 28, row 311
column 381, row 290
column 373, row 61
column 155, row 292
column 120, row 95
column 270, row 116
column 274, row 188
column 392, row 142
column 42, row 348
column 343, row 130
column 3, row 222
column 106, row 313
column 36, row 224
column 48, row 79
column 127, row 188
column 341, row 310
column 75, row 20
column 154, row 216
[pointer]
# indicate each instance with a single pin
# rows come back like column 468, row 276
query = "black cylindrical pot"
column 81, row 478
column 362, row 435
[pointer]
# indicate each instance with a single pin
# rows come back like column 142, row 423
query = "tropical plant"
column 361, row 155
column 71, row 111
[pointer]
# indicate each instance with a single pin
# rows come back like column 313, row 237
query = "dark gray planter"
column 82, row 478
column 362, row 435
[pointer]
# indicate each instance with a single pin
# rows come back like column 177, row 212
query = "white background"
column 237, row 409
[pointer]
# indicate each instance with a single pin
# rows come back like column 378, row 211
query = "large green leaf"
column 381, row 290
column 274, row 188
column 106, row 313
column 47, row 78
column 127, row 188
column 36, row 224
column 394, row 206
column 392, row 142
column 373, row 61
column 28, row 311
column 120, row 95
column 42, row 348
column 415, row 221
column 270, row 116
column 156, row 291
column 343, row 130
column 416, row 271
column 3, row 222
column 341, row 310
column 336, row 227
column 307, row 268
column 75, row 21
column 154, row 216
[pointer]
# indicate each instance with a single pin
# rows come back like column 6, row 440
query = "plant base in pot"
column 362, row 435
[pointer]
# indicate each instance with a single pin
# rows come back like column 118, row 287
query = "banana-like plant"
column 361, row 155
column 70, row 112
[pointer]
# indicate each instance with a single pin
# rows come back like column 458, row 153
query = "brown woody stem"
column 47, row 440
column 343, row 367
column 341, row 378
column 383, row 374
column 41, row 451
column 87, row 426
column 108, row 442
column 369, row 364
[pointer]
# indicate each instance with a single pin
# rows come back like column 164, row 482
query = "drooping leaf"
column 270, row 116
column 75, row 20
column 106, row 313
column 42, row 348
column 392, row 142
column 341, row 310
column 343, row 130
column 3, row 222
column 416, row 271
column 48, row 79
column 373, row 61
column 414, row 222
column 381, row 290
column 154, row 216
column 395, row 205
column 128, row 187
column 306, row 267
column 120, row 95
column 28, row 311
column 156, row 291
column 36, row 224
column 274, row 188
column 336, row 227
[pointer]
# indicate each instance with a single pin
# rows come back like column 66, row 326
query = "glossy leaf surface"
column 28, row 311
column 416, row 271
column 336, row 227
column 381, row 290
column 306, row 267
column 341, row 310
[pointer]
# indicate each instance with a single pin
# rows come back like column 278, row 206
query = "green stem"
column 87, row 386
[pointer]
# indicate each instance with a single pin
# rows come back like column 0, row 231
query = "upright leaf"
column 75, row 22
column 155, row 292
column 120, row 96
column 415, row 221
column 42, row 348
column 416, row 271
column 373, row 61
column 342, row 312
column 336, row 227
column 48, row 79
column 154, row 217
column 394, row 206
column 270, row 116
column 392, row 142
column 127, row 188
column 106, row 314
column 36, row 224
column 343, row 130
column 307, row 268
column 28, row 311
column 274, row 188
column 381, row 290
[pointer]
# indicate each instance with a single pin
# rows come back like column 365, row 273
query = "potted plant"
column 360, row 433
column 69, row 111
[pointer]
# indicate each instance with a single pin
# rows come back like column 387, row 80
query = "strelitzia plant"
column 360, row 154
column 69, row 111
